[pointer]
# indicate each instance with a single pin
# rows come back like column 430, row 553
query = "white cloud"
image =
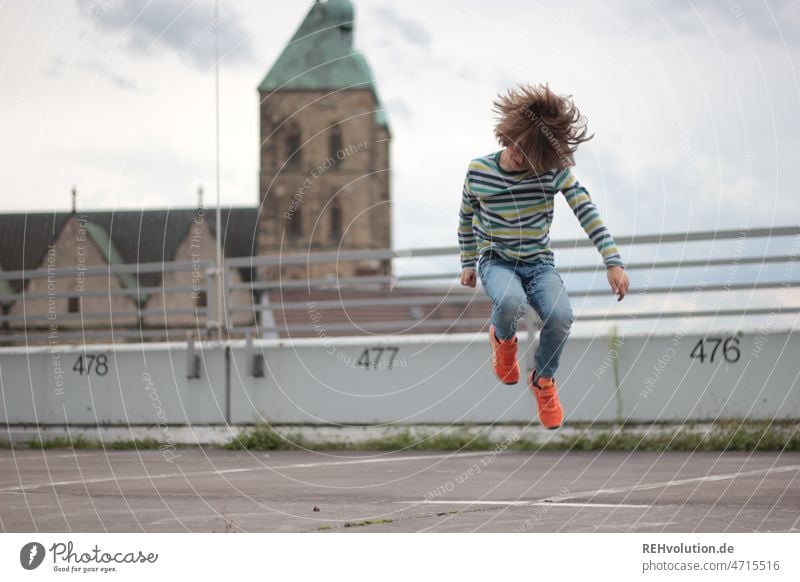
column 186, row 29
column 647, row 79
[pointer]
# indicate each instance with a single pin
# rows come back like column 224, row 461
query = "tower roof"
column 321, row 57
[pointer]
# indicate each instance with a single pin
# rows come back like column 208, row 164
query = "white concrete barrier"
column 380, row 380
column 447, row 379
column 112, row 384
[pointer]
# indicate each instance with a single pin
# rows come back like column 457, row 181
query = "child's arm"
column 466, row 236
column 587, row 214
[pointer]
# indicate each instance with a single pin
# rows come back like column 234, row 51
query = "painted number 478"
column 89, row 363
column 708, row 348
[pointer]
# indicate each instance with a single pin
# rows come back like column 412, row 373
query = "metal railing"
column 37, row 314
column 465, row 298
column 250, row 303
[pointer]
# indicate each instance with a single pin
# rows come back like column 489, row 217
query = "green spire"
column 321, row 57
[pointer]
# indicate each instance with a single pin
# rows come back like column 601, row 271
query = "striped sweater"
column 511, row 213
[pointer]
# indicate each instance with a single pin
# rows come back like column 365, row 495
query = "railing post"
column 212, row 300
column 227, row 323
column 533, row 325
column 266, row 317
column 255, row 362
column 192, row 360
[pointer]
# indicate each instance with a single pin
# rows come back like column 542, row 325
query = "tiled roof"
column 138, row 236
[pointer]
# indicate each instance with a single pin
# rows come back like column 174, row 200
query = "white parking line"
column 706, row 479
column 242, row 470
column 557, row 501
column 519, row 503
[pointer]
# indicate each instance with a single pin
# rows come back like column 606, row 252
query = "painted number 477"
column 376, row 361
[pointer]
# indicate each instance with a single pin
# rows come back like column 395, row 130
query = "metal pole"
column 220, row 278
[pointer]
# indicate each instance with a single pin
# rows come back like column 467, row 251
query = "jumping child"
column 504, row 224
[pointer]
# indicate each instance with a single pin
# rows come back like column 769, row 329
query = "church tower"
column 324, row 180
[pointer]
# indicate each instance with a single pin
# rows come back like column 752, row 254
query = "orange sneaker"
column 504, row 358
column 551, row 414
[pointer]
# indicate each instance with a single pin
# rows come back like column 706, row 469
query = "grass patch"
column 63, row 442
column 723, row 436
column 264, row 438
column 147, row 443
column 462, row 439
column 81, row 442
column 367, row 522
column 731, row 435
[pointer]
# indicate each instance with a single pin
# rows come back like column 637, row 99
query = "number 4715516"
column 708, row 348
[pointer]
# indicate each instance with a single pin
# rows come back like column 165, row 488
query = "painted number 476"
column 708, row 348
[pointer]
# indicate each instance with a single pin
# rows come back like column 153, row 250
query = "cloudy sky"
column 694, row 105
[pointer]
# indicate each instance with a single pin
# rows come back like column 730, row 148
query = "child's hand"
column 469, row 277
column 618, row 279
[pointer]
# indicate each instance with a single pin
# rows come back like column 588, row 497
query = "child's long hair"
column 546, row 127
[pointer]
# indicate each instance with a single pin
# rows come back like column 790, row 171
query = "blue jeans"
column 512, row 285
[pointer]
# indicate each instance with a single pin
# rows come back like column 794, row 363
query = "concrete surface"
column 407, row 491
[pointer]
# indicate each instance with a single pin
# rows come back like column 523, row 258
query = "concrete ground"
column 409, row 491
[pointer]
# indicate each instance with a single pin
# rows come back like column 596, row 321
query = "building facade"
column 324, row 153
column 161, row 285
column 324, row 186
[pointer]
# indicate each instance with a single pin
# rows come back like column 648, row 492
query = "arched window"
column 294, row 154
column 336, row 220
column 334, row 143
